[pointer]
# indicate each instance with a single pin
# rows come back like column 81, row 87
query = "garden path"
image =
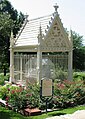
column 80, row 114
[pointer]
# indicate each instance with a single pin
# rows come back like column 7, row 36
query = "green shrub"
column 34, row 99
column 69, row 93
column 4, row 90
column 60, row 73
column 3, row 78
column 19, row 97
column 66, row 94
column 79, row 76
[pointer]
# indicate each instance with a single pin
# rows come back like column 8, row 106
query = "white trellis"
column 25, row 66
column 41, row 46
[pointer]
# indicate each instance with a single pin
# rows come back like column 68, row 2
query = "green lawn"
column 8, row 114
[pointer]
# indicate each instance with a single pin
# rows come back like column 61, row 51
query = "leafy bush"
column 69, row 93
column 3, row 78
column 3, row 92
column 60, row 72
column 66, row 94
column 35, row 95
column 19, row 97
column 79, row 76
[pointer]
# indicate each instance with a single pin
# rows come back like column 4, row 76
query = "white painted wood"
column 70, row 59
column 39, row 58
column 53, row 32
column 29, row 34
column 21, row 73
column 70, row 72
column 52, row 38
column 11, row 58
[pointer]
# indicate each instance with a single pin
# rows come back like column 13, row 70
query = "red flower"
column 27, row 95
column 8, row 89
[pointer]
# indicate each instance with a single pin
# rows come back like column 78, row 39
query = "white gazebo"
column 45, row 35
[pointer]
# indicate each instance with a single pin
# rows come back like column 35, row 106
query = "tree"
column 78, row 52
column 9, row 19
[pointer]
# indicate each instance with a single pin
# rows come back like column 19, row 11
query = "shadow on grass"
column 4, row 115
column 9, row 114
column 57, row 114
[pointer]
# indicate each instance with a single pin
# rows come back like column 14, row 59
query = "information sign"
column 47, row 87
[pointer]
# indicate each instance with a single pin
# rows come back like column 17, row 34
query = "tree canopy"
column 78, row 52
column 10, row 19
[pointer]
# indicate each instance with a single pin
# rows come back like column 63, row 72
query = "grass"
column 9, row 114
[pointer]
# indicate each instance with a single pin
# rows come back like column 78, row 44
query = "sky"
column 72, row 12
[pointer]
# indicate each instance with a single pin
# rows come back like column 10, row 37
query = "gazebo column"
column 21, row 67
column 39, row 65
column 70, row 57
column 11, row 59
column 70, row 60
column 39, row 58
column 11, row 65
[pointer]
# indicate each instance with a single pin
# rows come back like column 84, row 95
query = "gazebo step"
column 32, row 112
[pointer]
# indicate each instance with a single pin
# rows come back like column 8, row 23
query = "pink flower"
column 61, row 86
column 7, row 98
column 13, row 92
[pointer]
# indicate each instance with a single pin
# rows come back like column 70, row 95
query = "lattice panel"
column 25, row 66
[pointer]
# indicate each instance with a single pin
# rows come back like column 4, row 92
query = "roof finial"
column 56, row 7
column 26, row 16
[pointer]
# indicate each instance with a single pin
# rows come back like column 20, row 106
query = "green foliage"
column 79, row 59
column 60, row 73
column 35, row 94
column 3, row 78
column 10, row 19
column 66, row 94
column 18, row 97
column 78, row 52
column 78, row 76
column 77, row 40
column 69, row 93
column 4, row 91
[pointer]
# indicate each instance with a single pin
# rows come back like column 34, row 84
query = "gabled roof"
column 30, row 31
column 54, row 35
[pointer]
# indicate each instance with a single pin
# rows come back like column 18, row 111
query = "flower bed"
column 19, row 97
column 69, row 93
column 66, row 94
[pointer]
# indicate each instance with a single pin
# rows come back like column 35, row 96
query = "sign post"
column 46, row 91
